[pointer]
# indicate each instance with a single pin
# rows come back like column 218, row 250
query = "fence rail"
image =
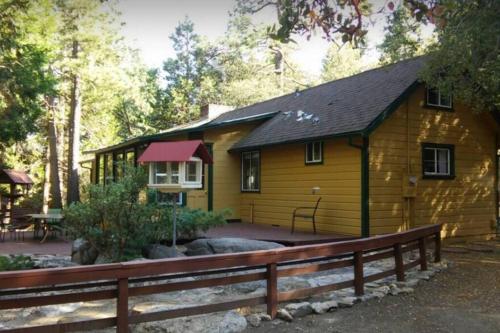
column 121, row 281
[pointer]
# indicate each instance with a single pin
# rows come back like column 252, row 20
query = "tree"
column 402, row 39
column 466, row 58
column 191, row 76
column 24, row 79
column 341, row 61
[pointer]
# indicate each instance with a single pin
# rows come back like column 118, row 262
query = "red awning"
column 175, row 151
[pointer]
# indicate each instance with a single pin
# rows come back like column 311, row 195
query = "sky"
column 148, row 24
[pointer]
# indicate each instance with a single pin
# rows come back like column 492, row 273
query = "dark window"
column 167, row 198
column 436, row 98
column 314, row 152
column 438, row 161
column 250, row 171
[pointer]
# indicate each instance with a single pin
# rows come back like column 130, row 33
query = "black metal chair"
column 306, row 213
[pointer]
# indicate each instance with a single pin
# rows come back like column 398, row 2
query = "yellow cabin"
column 384, row 153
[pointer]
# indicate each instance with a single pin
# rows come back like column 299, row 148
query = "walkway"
column 462, row 299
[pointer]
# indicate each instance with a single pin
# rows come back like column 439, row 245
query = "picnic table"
column 41, row 221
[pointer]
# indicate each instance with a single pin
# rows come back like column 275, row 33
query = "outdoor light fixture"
column 174, row 167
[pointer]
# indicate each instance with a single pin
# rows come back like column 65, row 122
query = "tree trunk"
column 55, row 188
column 73, row 194
column 46, row 182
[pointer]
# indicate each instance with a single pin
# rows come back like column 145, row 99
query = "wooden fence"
column 120, row 281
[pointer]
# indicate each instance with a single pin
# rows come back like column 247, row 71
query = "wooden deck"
column 272, row 234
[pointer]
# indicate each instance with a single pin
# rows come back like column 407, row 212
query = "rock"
column 299, row 309
column 232, row 322
column 83, row 253
column 323, row 307
column 227, row 245
column 406, row 290
column 52, row 261
column 346, row 302
column 254, row 320
column 157, row 251
column 284, row 315
column 265, row 317
column 101, row 259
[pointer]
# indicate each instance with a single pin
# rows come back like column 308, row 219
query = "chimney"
column 212, row 111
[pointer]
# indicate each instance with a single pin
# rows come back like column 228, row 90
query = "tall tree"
column 191, row 76
column 402, row 39
column 341, row 61
column 24, row 78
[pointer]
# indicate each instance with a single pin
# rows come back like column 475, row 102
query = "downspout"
column 365, row 178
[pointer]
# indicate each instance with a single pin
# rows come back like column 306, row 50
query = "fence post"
column 423, row 254
column 437, row 249
column 358, row 273
column 122, row 306
column 272, row 290
column 398, row 258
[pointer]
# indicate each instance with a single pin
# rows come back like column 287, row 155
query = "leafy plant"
column 115, row 220
column 15, row 263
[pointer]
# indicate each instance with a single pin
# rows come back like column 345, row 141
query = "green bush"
column 15, row 263
column 118, row 224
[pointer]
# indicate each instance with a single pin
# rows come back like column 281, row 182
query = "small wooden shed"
column 15, row 178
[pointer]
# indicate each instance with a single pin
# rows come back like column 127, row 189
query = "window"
column 314, row 152
column 176, row 174
column 250, row 171
column 436, row 98
column 438, row 161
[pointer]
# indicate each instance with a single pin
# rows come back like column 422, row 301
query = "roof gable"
column 340, row 107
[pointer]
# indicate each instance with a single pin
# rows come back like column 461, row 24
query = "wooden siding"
column 226, row 174
column 286, row 183
column 466, row 204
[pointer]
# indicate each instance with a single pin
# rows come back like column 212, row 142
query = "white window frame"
column 183, row 183
column 436, row 162
column 315, row 159
column 243, row 189
column 439, row 99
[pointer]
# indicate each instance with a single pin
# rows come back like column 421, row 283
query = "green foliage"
column 119, row 224
column 466, row 59
column 402, row 39
column 24, row 79
column 15, row 263
column 341, row 62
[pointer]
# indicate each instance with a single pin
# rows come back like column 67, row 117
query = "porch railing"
column 121, row 281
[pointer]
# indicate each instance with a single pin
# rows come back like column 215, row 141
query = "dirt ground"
column 463, row 298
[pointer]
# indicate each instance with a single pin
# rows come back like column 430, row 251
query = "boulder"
column 101, row 259
column 299, row 309
column 83, row 253
column 232, row 322
column 227, row 245
column 254, row 320
column 284, row 315
column 323, row 307
column 157, row 251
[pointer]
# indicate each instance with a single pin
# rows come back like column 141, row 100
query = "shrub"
column 118, row 224
column 15, row 263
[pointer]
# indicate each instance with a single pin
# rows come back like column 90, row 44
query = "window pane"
column 174, row 172
column 445, row 100
column 109, row 168
column 309, row 152
column 250, row 170
column 442, row 164
column 191, row 172
column 101, row 169
column 432, row 96
column 429, row 160
column 317, row 152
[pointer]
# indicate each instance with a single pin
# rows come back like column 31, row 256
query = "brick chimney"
column 212, row 111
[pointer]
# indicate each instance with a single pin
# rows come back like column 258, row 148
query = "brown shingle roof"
column 14, row 177
column 339, row 107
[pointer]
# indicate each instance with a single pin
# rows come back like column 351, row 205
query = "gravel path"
column 463, row 298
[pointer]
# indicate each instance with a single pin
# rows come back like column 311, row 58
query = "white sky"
column 148, row 24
